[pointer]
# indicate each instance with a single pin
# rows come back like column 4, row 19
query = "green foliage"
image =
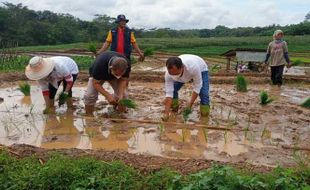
column 241, row 83
column 92, row 48
column 128, row 103
column 24, row 87
column 264, row 98
column 14, row 63
column 148, row 52
column 186, row 113
column 296, row 62
column 215, row 68
column 306, row 103
column 133, row 60
column 83, row 62
column 62, row 172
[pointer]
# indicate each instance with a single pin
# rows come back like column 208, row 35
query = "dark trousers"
column 53, row 90
column 276, row 74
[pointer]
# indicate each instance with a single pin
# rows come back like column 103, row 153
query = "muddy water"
column 268, row 128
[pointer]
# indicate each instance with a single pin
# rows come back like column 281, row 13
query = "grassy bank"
column 60, row 172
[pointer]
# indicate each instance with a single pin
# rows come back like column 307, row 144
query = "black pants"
column 53, row 90
column 276, row 74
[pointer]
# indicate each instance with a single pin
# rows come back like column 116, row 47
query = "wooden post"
column 228, row 63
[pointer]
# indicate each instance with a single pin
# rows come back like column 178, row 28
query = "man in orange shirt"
column 122, row 39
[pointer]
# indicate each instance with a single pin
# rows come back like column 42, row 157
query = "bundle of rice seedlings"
column 62, row 98
column 186, row 113
column 128, row 103
column 241, row 83
column 24, row 88
column 264, row 98
column 306, row 104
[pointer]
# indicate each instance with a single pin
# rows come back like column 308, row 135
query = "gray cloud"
column 182, row 14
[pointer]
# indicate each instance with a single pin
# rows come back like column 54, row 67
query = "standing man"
column 278, row 52
column 121, row 39
column 50, row 72
column 110, row 67
column 183, row 69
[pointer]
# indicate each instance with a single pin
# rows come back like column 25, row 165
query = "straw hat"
column 39, row 68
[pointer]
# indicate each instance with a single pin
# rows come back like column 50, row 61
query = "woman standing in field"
column 278, row 52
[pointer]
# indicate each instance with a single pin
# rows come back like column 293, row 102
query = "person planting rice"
column 113, row 68
column 278, row 52
column 50, row 72
column 183, row 69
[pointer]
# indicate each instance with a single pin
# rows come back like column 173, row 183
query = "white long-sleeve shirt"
column 64, row 68
column 193, row 67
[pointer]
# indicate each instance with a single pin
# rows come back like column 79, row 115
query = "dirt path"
column 143, row 163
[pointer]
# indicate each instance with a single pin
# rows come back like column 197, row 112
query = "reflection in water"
column 22, row 122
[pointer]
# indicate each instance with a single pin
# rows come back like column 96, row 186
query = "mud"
column 266, row 129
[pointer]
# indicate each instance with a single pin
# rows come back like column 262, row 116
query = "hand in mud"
column 141, row 57
column 289, row 65
column 165, row 117
column 112, row 100
column 121, row 108
column 49, row 111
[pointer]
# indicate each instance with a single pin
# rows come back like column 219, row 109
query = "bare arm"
column 98, row 86
column 192, row 100
column 122, row 87
column 168, row 103
column 136, row 47
column 104, row 47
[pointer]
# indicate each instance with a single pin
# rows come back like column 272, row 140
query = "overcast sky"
column 182, row 14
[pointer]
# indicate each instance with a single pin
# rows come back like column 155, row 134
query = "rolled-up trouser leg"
column 90, row 96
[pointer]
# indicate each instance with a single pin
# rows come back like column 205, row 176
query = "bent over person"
column 110, row 67
column 181, row 70
column 50, row 72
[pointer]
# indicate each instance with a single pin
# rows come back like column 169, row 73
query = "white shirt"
column 193, row 67
column 64, row 68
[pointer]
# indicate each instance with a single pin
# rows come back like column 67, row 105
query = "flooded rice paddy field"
column 258, row 135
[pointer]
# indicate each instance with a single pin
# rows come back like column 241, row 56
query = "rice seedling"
column 229, row 113
column 25, row 88
column 92, row 48
column 306, row 103
column 241, row 83
column 296, row 63
column 264, row 98
column 205, row 133
column 128, row 103
column 186, row 114
column 63, row 98
column 148, row 52
column 215, row 68
column 161, row 128
column 133, row 60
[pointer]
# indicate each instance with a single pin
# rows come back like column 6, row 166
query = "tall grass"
column 92, row 48
column 241, row 83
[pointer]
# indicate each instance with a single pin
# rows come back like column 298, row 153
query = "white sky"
column 182, row 14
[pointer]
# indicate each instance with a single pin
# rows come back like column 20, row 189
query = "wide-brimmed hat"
column 120, row 18
column 39, row 68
